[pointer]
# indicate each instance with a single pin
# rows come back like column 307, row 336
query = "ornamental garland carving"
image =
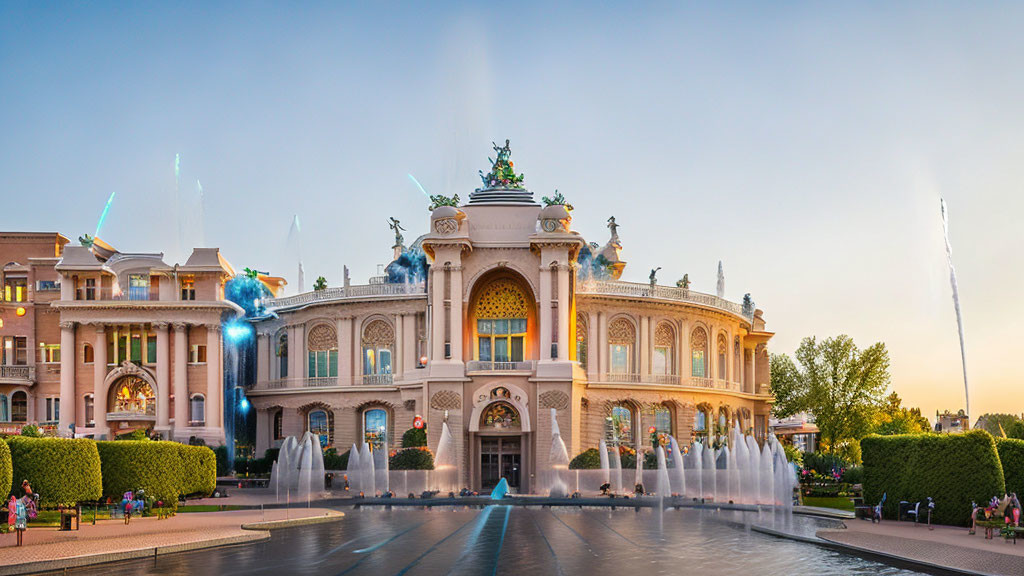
column 445, row 400
column 322, row 337
column 502, row 299
column 378, row 333
column 554, row 399
column 664, row 335
column 621, row 331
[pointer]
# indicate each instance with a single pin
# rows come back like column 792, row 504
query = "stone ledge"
column 278, row 524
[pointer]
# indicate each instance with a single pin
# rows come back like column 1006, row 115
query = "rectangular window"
column 15, row 289
column 150, row 348
column 49, row 353
column 89, row 410
column 47, row 285
column 323, row 364
column 698, row 364
column 20, row 351
column 90, row 288
column 385, row 360
column 662, row 360
column 620, row 358
column 136, row 348
column 138, row 287
column 197, row 354
column 485, row 349
column 188, row 288
column 517, row 348
column 52, row 409
column 501, row 350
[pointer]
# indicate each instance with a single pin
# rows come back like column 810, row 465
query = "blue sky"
column 805, row 145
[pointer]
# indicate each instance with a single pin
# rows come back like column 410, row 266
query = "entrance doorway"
column 500, row 457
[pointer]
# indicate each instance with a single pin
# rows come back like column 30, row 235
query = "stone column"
column 545, row 313
column 301, row 356
column 436, row 313
column 564, row 308
column 344, row 330
column 293, row 354
column 602, row 344
column 163, row 379
column 263, row 356
column 99, row 374
column 644, row 346
column 410, row 336
column 181, row 414
column 357, row 351
column 214, row 374
column 398, row 358
column 592, row 352
column 264, row 422
column 67, row 378
column 455, row 299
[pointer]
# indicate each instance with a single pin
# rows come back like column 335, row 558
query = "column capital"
column 179, row 326
column 67, row 324
column 160, row 325
column 213, row 328
column 99, row 326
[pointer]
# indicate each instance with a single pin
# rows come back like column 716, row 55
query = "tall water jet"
column 710, row 488
column 753, row 493
column 766, row 489
column 353, row 471
column 696, row 458
column 723, row 481
column 445, row 464
column 381, row 467
column 615, row 460
column 606, row 477
column 956, row 305
column 368, row 480
column 558, row 459
column 679, row 476
column 638, row 478
column 298, row 469
column 664, row 487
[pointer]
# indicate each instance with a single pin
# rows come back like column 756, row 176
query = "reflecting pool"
column 521, row 540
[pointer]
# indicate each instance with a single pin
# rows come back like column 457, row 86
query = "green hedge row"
column 954, row 469
column 165, row 470
column 1011, row 454
column 6, row 466
column 62, row 471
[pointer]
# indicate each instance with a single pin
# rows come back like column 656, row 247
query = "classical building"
column 517, row 314
column 98, row 343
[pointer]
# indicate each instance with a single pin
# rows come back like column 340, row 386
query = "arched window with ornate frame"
column 281, row 352
column 621, row 343
column 375, row 426
column 500, row 415
column 320, row 423
column 663, row 358
column 502, row 313
column 722, row 424
column 723, row 355
column 699, row 352
column 132, row 395
column 662, row 420
column 378, row 343
column 19, row 406
column 619, row 424
column 322, row 346
column 702, row 421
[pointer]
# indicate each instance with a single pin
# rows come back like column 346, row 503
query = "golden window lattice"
column 322, row 337
column 621, row 331
column 378, row 334
column 664, row 335
column 699, row 339
column 581, row 325
column 502, row 299
column 723, row 345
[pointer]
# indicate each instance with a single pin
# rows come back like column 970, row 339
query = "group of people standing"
column 21, row 510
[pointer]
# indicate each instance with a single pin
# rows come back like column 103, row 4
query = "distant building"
column 800, row 428
column 950, row 423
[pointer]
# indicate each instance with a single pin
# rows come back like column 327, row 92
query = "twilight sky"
column 806, row 146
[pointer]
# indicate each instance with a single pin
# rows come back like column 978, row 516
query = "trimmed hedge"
column 62, row 471
column 412, row 459
column 589, row 459
column 6, row 470
column 954, row 469
column 1011, row 454
column 199, row 470
column 414, row 437
column 153, row 466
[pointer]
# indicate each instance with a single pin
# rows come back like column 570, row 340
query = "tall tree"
column 893, row 418
column 841, row 385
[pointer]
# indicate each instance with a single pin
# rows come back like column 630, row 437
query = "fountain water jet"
column 558, row 459
column 679, row 486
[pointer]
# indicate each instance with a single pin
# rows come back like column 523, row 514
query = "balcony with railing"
column 638, row 290
column 378, row 379
column 375, row 290
column 692, row 382
column 17, row 374
column 483, row 366
column 326, row 382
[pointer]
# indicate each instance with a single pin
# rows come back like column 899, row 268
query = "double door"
column 500, row 457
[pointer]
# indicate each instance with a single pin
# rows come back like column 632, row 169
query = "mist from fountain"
column 606, row 477
column 696, row 458
column 355, row 481
column 368, row 475
column 678, row 468
column 299, row 468
column 664, row 486
column 615, row 460
column 710, row 469
column 381, row 466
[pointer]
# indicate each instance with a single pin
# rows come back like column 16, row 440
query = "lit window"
column 88, row 354
column 375, row 425
column 49, row 353
column 188, row 288
column 15, row 351
column 378, row 340
column 619, row 426
column 15, row 289
column 197, row 354
column 319, row 426
column 698, row 352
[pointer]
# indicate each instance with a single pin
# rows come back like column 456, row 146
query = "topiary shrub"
column 198, row 470
column 954, row 469
column 412, row 459
column 31, row 431
column 6, row 470
column 335, row 461
column 589, row 459
column 414, row 437
column 155, row 467
column 62, row 471
column 1011, row 455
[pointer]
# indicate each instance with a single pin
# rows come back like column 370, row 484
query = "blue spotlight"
column 238, row 331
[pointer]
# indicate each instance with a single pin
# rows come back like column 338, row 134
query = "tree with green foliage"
column 893, row 418
column 997, row 424
column 320, row 284
column 841, row 385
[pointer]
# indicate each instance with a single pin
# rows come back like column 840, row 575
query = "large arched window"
column 581, row 339
column 664, row 345
column 621, row 339
column 378, row 341
column 723, row 352
column 19, row 407
column 5, row 408
column 702, row 421
column 662, row 420
column 500, row 415
column 322, row 344
column 282, row 355
column 722, row 428
column 375, row 427
column 618, row 427
column 698, row 352
column 279, row 425
column 501, row 313
column 320, row 426
column 197, row 410
column 132, row 395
